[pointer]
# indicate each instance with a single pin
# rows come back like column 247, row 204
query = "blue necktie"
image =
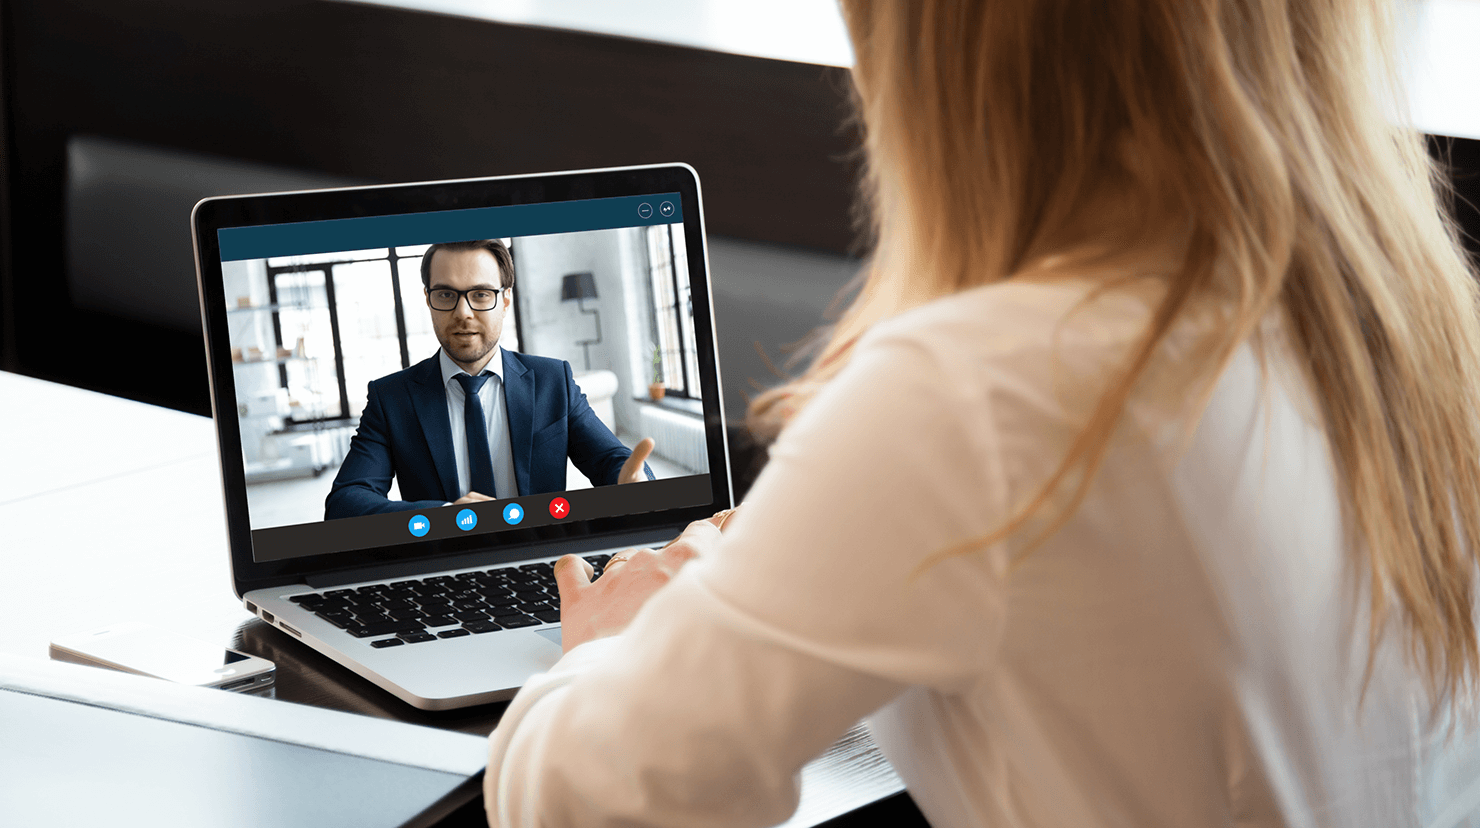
column 480, row 456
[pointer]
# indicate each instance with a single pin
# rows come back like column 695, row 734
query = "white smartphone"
column 161, row 653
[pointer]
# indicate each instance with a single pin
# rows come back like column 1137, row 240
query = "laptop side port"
column 290, row 629
column 252, row 608
column 268, row 617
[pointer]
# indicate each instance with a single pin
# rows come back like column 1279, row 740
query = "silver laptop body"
column 310, row 298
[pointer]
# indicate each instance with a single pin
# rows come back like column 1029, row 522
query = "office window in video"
column 676, row 355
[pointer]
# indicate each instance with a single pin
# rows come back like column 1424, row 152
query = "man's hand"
column 632, row 469
column 596, row 609
column 471, row 497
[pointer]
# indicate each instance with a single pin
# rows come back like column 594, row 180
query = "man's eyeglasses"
column 479, row 299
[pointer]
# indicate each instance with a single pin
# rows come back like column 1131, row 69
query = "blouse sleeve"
column 824, row 601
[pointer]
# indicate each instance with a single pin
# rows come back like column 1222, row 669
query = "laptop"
column 360, row 519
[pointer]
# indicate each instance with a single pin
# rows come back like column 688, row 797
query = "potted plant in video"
column 656, row 390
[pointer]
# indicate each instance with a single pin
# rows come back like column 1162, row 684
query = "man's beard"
column 470, row 352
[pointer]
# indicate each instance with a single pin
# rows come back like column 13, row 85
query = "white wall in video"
column 309, row 334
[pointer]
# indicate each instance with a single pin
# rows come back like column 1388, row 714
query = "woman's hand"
column 596, row 609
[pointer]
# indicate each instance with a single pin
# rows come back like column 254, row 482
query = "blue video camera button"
column 419, row 526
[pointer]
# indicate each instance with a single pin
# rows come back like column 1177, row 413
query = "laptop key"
column 471, row 615
column 416, row 638
column 385, row 628
column 387, row 642
column 549, row 616
column 481, row 627
column 455, row 632
column 439, row 621
column 361, row 607
column 512, row 621
column 338, row 619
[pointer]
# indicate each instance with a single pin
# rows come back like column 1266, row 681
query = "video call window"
column 309, row 333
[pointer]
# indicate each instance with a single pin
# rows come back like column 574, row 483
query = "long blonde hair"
column 1266, row 127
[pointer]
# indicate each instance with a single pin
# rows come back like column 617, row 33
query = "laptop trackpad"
column 553, row 635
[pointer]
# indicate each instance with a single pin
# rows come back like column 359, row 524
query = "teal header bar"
column 302, row 238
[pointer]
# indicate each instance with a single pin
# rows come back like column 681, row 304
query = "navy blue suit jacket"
column 404, row 434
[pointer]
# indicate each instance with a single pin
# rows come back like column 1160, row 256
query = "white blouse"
column 1187, row 650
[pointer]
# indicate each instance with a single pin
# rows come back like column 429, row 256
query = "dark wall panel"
column 1460, row 157
column 380, row 94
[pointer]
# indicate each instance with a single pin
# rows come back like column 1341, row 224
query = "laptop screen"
column 348, row 336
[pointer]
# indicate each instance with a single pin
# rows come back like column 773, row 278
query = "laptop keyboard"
column 444, row 606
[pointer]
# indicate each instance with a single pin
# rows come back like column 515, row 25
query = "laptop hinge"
column 415, row 568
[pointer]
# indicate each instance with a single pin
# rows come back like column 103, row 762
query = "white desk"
column 111, row 510
column 96, row 489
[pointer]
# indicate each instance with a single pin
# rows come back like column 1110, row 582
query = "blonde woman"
column 1139, row 485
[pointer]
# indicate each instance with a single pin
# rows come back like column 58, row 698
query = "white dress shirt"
column 1186, row 651
column 496, row 416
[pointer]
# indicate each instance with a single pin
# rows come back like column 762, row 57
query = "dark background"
column 319, row 93
column 364, row 94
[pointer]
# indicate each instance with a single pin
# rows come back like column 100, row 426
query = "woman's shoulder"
column 1014, row 320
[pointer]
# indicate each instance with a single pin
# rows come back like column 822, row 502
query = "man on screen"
column 474, row 422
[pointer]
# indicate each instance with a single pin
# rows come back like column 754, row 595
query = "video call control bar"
column 369, row 232
column 279, row 543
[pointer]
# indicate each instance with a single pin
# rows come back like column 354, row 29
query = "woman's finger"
column 720, row 518
column 572, row 574
column 698, row 538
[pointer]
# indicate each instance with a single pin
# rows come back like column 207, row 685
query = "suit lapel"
column 519, row 401
column 430, row 401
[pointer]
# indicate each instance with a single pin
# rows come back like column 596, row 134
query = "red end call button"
column 559, row 508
